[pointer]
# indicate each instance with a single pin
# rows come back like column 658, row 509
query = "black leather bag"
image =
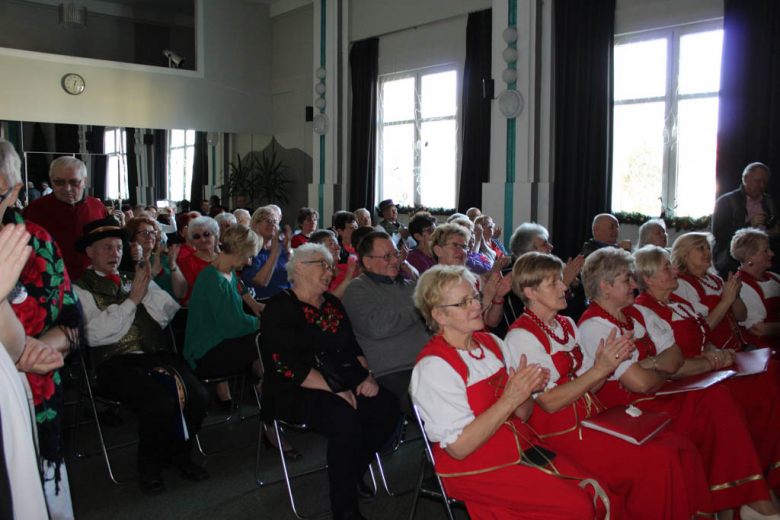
column 340, row 369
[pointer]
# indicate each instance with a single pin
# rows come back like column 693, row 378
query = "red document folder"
column 692, row 383
column 636, row 430
column 753, row 362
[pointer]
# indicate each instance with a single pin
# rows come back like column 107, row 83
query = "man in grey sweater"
column 380, row 306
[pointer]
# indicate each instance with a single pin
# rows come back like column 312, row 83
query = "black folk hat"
column 385, row 204
column 99, row 229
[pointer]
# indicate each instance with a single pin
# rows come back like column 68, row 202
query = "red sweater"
column 64, row 222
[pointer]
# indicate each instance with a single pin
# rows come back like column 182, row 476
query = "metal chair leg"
column 418, row 487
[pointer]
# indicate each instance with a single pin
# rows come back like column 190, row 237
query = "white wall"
column 641, row 15
column 376, row 17
column 437, row 43
column 231, row 93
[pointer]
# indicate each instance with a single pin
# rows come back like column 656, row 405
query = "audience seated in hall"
column 124, row 324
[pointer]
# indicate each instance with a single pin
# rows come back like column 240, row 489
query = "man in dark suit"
column 747, row 206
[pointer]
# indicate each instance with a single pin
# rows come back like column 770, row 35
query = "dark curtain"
column 475, row 167
column 363, row 64
column 200, row 169
column 132, row 167
column 749, row 112
column 97, row 164
column 583, row 49
column 160, row 165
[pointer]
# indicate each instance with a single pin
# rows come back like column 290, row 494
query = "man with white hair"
column 747, row 206
column 65, row 211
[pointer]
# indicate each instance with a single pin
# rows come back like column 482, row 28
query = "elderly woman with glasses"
column 202, row 233
column 672, row 321
column 164, row 269
column 709, row 418
column 317, row 374
column 475, row 412
column 449, row 244
column 664, row 477
column 760, row 289
column 267, row 273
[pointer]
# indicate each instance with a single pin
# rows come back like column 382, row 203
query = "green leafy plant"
column 261, row 178
column 271, row 182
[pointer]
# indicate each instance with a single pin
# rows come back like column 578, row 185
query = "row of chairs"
column 428, row 488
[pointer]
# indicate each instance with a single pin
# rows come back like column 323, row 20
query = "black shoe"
column 290, row 453
column 364, row 490
column 191, row 471
column 151, row 483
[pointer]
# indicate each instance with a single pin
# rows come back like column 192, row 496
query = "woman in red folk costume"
column 475, row 412
column 717, row 301
column 663, row 313
column 664, row 478
column 709, row 418
column 760, row 289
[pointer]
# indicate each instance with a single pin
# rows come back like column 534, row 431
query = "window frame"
column 169, row 172
column 671, row 99
column 120, row 151
column 418, row 122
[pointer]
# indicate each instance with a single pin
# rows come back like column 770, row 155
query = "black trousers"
column 354, row 435
column 126, row 379
column 229, row 357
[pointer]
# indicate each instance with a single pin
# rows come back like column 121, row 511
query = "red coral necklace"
column 547, row 329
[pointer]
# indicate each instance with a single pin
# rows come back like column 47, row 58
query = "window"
column 114, row 146
column 181, row 151
column 666, row 120
column 417, row 150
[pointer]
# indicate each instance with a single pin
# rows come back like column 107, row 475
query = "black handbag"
column 340, row 369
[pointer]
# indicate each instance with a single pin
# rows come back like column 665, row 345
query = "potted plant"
column 260, row 177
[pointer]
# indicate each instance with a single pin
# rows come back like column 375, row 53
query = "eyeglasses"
column 388, row 257
column 6, row 194
column 147, row 234
column 323, row 263
column 465, row 303
column 62, row 182
column 270, row 221
column 429, row 229
column 205, row 234
column 461, row 247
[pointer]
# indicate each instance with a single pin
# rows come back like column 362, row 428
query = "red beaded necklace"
column 688, row 315
column 624, row 327
column 478, row 357
column 547, row 330
column 704, row 280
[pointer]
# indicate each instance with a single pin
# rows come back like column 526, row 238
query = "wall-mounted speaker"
column 309, row 114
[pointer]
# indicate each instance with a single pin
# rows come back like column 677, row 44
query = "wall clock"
column 73, row 84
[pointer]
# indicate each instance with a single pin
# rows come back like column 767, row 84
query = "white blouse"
column 594, row 330
column 756, row 312
column 440, row 394
column 521, row 341
column 687, row 292
column 660, row 330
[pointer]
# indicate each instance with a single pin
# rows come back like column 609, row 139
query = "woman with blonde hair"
column 267, row 273
column 710, row 296
column 475, row 412
column 663, row 478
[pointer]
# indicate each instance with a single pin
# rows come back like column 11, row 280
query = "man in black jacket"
column 747, row 206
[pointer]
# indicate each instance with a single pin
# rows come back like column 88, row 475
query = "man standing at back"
column 65, row 211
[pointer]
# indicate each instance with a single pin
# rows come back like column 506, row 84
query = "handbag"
column 340, row 369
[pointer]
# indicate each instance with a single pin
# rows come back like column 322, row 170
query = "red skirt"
column 523, row 492
column 663, row 478
column 712, row 421
column 758, row 396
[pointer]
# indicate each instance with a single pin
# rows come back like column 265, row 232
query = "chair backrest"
column 421, row 423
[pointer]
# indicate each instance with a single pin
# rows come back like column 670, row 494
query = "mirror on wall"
column 143, row 32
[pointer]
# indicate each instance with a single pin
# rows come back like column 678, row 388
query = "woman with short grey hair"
column 203, row 233
column 653, row 232
column 308, row 253
column 528, row 236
